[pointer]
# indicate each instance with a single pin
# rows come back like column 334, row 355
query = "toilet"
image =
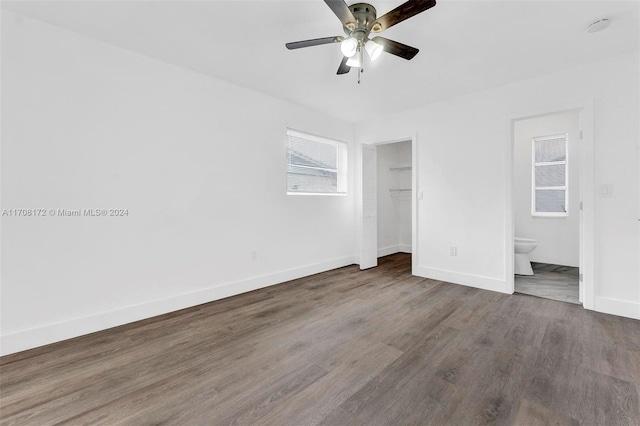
column 522, row 264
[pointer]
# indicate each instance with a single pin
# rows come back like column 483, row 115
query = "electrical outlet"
column 453, row 251
column 254, row 255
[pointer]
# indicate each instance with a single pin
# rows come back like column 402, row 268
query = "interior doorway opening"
column 547, row 200
column 394, row 193
column 388, row 221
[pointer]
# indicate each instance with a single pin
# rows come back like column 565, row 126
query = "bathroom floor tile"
column 551, row 282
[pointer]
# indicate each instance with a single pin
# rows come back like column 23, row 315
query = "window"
column 550, row 191
column 315, row 165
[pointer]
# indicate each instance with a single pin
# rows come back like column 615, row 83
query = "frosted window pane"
column 304, row 179
column 551, row 175
column 551, row 150
column 312, row 165
column 304, row 152
column 550, row 201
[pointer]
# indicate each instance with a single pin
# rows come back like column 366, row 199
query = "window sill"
column 340, row 194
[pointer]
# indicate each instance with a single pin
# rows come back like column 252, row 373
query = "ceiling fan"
column 359, row 21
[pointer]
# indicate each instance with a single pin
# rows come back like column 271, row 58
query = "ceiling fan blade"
column 343, row 68
column 395, row 48
column 340, row 8
column 400, row 13
column 313, row 42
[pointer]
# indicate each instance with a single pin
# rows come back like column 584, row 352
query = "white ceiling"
column 464, row 45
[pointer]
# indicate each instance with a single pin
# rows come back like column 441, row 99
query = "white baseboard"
column 605, row 305
column 400, row 248
column 470, row 280
column 51, row 333
column 618, row 307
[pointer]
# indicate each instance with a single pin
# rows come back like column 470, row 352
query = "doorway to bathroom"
column 547, row 205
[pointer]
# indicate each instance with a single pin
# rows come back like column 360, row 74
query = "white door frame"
column 587, row 183
column 414, row 193
column 369, row 202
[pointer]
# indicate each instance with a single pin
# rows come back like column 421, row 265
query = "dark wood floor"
column 344, row 347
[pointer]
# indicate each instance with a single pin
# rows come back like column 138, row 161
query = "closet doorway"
column 394, row 175
column 388, row 200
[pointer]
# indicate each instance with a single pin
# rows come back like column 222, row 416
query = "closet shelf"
column 400, row 192
column 399, row 169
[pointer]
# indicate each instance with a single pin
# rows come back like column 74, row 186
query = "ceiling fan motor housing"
column 365, row 15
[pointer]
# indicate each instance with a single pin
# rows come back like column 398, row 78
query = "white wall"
column 198, row 163
column 403, row 204
column 394, row 210
column 558, row 238
column 388, row 231
column 462, row 172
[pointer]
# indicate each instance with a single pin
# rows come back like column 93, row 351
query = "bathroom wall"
column 558, row 237
column 394, row 209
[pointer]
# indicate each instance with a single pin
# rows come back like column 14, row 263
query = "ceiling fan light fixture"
column 373, row 49
column 349, row 47
column 356, row 60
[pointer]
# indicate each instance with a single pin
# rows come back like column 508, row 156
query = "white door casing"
column 369, row 246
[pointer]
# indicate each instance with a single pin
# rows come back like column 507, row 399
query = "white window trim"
column 550, row 163
column 341, row 163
